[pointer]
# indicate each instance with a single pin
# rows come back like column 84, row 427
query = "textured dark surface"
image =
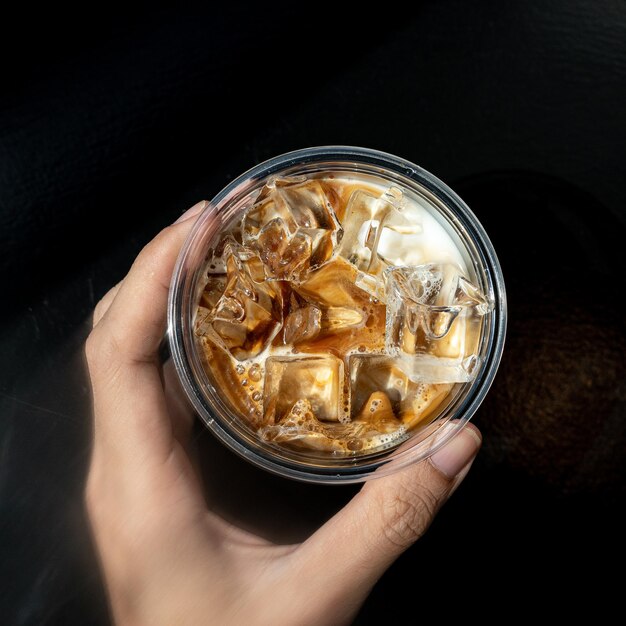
column 109, row 130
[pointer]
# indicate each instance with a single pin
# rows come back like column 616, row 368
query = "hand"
column 166, row 558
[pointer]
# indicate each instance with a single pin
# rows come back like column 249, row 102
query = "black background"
column 112, row 121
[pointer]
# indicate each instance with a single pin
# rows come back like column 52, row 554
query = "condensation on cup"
column 336, row 314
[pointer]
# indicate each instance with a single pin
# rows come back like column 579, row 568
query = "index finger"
column 130, row 409
column 136, row 316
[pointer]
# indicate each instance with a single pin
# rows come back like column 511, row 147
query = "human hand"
column 166, row 558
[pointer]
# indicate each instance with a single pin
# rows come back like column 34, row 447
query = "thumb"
column 387, row 516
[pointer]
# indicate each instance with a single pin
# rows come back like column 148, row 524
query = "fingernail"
column 192, row 212
column 456, row 454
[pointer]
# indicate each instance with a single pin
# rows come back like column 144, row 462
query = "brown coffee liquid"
column 325, row 325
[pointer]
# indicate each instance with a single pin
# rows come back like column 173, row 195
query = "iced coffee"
column 337, row 315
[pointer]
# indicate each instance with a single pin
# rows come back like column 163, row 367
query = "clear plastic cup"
column 307, row 465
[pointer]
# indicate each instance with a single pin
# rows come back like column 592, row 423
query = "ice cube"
column 378, row 231
column 378, row 412
column 434, row 321
column 373, row 285
column 337, row 318
column 362, row 223
column 284, row 256
column 301, row 429
column 318, row 379
column 424, row 368
column 401, row 244
column 349, row 317
column 248, row 314
column 303, row 321
column 202, row 321
column 333, row 286
column 376, row 426
column 213, row 289
column 410, row 401
column 293, row 227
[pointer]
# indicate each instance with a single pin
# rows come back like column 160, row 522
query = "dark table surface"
column 113, row 124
